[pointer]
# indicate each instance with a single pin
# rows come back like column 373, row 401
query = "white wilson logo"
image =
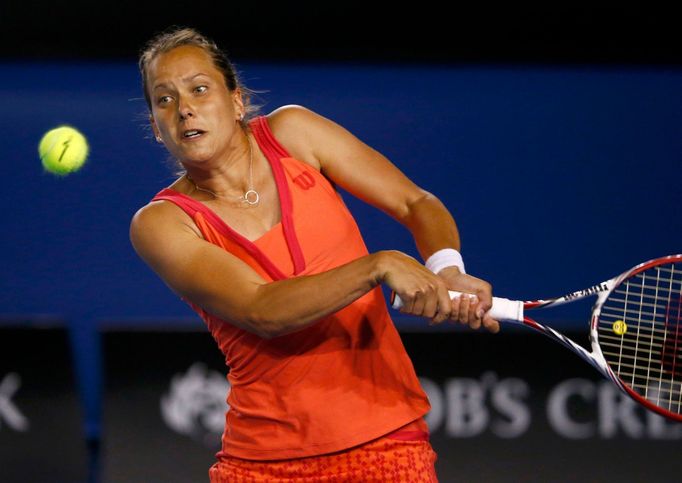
column 602, row 287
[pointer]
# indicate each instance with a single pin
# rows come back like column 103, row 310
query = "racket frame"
column 596, row 358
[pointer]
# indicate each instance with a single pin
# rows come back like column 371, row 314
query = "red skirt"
column 387, row 459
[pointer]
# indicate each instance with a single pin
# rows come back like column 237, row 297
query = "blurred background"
column 551, row 132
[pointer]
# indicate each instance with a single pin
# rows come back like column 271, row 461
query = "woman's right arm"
column 228, row 288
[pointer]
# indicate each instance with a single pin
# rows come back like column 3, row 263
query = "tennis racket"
column 635, row 331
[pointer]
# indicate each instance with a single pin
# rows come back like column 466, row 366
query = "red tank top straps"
column 273, row 151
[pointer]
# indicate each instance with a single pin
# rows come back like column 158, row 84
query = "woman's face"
column 193, row 111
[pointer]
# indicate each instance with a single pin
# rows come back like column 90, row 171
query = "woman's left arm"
column 371, row 177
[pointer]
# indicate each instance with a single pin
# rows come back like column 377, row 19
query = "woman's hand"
column 423, row 293
column 470, row 309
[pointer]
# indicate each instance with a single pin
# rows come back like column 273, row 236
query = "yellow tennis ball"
column 620, row 327
column 63, row 150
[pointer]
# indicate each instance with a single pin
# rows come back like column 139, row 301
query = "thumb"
column 484, row 305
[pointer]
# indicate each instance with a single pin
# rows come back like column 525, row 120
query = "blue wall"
column 557, row 176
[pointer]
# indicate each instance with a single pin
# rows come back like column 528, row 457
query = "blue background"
column 558, row 177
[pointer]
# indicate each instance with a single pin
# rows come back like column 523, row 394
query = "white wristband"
column 447, row 257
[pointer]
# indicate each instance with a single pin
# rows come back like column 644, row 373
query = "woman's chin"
column 195, row 157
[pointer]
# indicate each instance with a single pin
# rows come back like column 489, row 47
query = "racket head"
column 636, row 329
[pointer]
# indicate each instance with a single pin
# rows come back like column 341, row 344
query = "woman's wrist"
column 378, row 267
column 384, row 262
column 447, row 257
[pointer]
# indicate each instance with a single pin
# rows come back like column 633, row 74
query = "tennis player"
column 254, row 237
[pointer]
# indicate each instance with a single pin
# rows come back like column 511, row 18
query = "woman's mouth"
column 193, row 134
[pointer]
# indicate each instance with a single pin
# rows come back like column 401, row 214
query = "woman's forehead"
column 181, row 61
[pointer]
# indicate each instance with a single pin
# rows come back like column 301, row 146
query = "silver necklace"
column 251, row 196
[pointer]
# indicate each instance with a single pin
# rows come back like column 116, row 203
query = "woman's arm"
column 227, row 287
column 370, row 176
column 433, row 228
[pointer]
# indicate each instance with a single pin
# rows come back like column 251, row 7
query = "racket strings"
column 664, row 386
column 654, row 313
column 640, row 334
column 657, row 337
column 637, row 361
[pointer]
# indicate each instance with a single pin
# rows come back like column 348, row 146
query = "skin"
column 188, row 92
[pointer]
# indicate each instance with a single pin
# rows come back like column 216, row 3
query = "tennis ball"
column 63, row 150
column 620, row 327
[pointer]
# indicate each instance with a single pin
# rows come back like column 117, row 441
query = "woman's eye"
column 200, row 89
column 164, row 99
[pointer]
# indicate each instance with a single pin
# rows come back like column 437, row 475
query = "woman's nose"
column 185, row 110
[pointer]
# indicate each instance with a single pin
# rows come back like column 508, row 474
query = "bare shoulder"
column 156, row 221
column 299, row 130
column 321, row 142
column 290, row 117
column 154, row 214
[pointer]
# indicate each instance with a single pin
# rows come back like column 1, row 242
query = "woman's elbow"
column 262, row 321
column 269, row 324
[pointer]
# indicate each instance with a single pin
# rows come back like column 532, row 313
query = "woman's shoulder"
column 157, row 222
column 294, row 128
column 156, row 212
column 161, row 213
column 289, row 114
column 288, row 122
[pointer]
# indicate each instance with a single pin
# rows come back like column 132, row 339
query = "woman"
column 255, row 238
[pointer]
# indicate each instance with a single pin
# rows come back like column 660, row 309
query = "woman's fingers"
column 490, row 324
column 432, row 302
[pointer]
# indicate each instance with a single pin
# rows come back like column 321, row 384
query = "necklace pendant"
column 252, row 197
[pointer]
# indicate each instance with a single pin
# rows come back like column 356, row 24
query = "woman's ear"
column 155, row 129
column 239, row 109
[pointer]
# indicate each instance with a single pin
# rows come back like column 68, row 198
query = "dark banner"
column 164, row 405
column 515, row 406
column 41, row 426
column 519, row 407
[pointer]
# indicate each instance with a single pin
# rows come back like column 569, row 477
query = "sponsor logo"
column 195, row 404
column 575, row 409
column 602, row 287
column 465, row 407
column 305, row 180
column 10, row 415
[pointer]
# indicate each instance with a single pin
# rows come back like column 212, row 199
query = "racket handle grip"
column 502, row 309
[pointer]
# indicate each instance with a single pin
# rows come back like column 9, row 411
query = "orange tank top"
column 338, row 383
